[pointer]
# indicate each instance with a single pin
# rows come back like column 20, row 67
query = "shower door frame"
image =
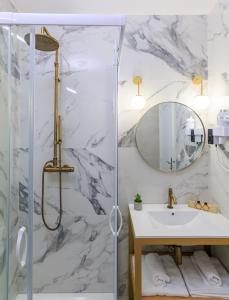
column 33, row 19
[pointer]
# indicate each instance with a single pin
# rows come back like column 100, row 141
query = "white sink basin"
column 156, row 220
column 172, row 217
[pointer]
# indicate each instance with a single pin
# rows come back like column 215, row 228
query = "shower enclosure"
column 79, row 259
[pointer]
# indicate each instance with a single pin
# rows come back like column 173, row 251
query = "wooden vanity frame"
column 136, row 245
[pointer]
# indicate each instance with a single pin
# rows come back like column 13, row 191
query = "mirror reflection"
column 170, row 136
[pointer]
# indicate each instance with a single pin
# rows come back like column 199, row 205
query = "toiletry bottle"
column 205, row 206
column 198, row 204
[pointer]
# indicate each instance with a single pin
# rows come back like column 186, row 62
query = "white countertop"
column 203, row 225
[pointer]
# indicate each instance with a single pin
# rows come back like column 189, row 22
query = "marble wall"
column 166, row 51
column 218, row 45
column 79, row 256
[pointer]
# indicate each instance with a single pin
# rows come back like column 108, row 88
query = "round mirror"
column 170, row 136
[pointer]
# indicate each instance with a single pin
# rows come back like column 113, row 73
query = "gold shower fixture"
column 45, row 42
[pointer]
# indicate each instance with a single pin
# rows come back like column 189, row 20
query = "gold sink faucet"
column 171, row 199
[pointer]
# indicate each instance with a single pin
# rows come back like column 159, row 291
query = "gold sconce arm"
column 198, row 80
column 137, row 80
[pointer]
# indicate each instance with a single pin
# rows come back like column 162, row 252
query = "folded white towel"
column 197, row 283
column 207, row 268
column 176, row 286
column 219, row 267
column 156, row 269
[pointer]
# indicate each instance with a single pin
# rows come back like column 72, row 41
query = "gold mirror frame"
column 203, row 143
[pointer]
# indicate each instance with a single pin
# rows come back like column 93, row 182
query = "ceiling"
column 132, row 7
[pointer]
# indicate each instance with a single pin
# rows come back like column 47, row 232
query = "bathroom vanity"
column 180, row 226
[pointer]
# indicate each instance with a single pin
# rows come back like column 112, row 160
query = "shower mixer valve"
column 64, row 169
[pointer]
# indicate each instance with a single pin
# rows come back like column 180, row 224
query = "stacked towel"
column 176, row 286
column 156, row 269
column 207, row 268
column 197, row 283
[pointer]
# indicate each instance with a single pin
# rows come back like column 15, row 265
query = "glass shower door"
column 4, row 157
column 84, row 248
column 20, row 197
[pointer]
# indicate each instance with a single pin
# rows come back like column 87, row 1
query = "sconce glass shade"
column 200, row 102
column 138, row 102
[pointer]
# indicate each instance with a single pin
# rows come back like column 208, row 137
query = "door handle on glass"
column 110, row 222
column 21, row 254
column 121, row 221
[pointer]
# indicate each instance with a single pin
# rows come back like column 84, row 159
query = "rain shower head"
column 43, row 41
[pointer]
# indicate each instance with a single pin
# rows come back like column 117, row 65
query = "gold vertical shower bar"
column 55, row 142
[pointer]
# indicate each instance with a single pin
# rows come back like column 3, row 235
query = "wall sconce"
column 200, row 102
column 138, row 101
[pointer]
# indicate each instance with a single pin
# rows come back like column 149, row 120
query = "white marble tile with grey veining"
column 166, row 51
column 175, row 41
column 82, row 249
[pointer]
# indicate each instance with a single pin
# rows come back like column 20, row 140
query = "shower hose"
column 60, row 195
